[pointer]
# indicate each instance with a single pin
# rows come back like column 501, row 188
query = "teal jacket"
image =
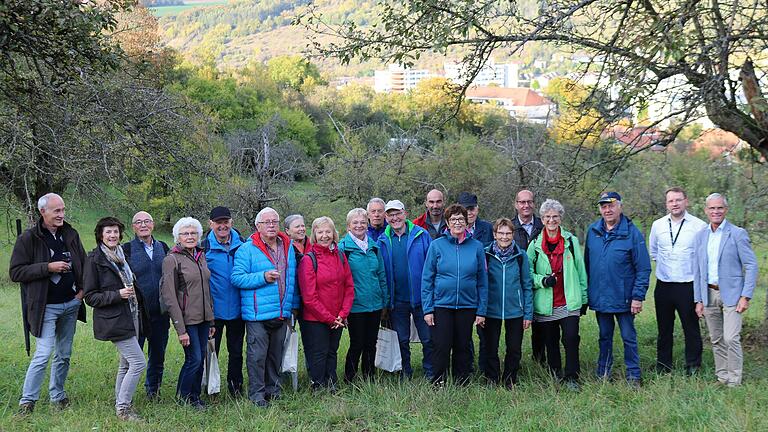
column 509, row 285
column 371, row 293
column 455, row 276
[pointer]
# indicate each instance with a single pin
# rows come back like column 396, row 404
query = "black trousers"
column 363, row 334
column 235, row 335
column 451, row 337
column 677, row 297
column 321, row 344
column 569, row 327
column 537, row 343
column 513, row 338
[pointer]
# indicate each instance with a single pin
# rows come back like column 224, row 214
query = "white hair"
column 42, row 202
column 375, row 200
column 290, row 219
column 356, row 212
column 716, row 196
column 551, row 204
column 264, row 211
column 187, row 222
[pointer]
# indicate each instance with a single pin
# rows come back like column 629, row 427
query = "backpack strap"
column 312, row 257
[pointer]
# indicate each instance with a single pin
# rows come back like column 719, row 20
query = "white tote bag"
column 388, row 351
column 290, row 352
column 414, row 332
column 211, row 372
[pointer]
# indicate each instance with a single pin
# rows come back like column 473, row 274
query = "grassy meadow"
column 665, row 402
column 164, row 11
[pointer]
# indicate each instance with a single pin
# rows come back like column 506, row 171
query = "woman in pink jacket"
column 327, row 292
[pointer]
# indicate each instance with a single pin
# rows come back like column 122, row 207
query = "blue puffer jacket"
column 367, row 269
column 418, row 244
column 259, row 300
column 455, row 276
column 510, row 291
column 618, row 266
column 226, row 297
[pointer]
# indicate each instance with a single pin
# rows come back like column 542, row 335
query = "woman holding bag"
column 119, row 315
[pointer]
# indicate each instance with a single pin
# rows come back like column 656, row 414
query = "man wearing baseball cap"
column 481, row 230
column 403, row 247
column 220, row 246
column 618, row 270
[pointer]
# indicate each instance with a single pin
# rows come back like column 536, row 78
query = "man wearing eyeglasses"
column 403, row 247
column 145, row 255
column 265, row 272
column 527, row 227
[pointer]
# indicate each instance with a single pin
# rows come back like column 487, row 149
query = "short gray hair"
column 716, row 195
column 356, row 212
column 187, row 222
column 291, row 219
column 42, row 202
column 551, row 204
column 264, row 211
column 375, row 200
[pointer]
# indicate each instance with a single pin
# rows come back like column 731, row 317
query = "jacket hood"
column 516, row 250
column 259, row 243
column 234, row 241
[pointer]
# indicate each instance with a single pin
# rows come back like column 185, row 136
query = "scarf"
column 362, row 244
column 503, row 254
column 117, row 259
column 554, row 247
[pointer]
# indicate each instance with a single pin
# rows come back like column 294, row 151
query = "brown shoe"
column 25, row 409
column 128, row 414
column 61, row 404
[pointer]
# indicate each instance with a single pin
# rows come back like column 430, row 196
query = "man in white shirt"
column 671, row 242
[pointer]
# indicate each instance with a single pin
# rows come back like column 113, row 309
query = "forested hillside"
column 239, row 32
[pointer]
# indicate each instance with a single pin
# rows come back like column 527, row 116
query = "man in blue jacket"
column 403, row 247
column 220, row 246
column 145, row 255
column 618, row 270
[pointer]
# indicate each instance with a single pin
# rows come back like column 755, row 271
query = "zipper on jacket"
column 503, row 288
column 458, row 275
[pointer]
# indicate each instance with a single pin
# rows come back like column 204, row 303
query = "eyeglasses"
column 270, row 222
column 551, row 217
column 530, row 203
column 457, row 221
column 396, row 214
column 143, row 222
column 188, row 234
column 504, row 233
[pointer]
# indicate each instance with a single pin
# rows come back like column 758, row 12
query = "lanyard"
column 674, row 239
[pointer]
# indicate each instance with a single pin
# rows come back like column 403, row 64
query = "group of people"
column 444, row 273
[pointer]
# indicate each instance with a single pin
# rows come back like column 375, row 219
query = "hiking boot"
column 25, row 409
column 61, row 404
column 128, row 414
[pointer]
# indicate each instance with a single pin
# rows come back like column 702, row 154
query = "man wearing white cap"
column 403, row 247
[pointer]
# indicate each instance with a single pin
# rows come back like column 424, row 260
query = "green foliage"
column 294, row 72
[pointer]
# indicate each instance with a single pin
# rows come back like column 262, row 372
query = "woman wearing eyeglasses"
column 559, row 291
column 454, row 293
column 509, row 303
column 186, row 292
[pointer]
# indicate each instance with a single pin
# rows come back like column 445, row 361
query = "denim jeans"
column 191, row 374
column 606, row 324
column 158, row 341
column 56, row 338
column 401, row 323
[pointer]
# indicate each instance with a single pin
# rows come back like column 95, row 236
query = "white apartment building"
column 502, row 75
column 398, row 79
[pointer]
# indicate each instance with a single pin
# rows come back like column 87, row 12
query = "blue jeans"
column 56, row 338
column 191, row 374
column 605, row 322
column 158, row 341
column 401, row 323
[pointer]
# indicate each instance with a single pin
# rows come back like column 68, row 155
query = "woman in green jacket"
column 371, row 294
column 559, row 290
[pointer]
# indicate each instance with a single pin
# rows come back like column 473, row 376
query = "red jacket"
column 329, row 292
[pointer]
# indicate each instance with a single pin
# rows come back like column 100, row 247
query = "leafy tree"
column 294, row 72
column 703, row 55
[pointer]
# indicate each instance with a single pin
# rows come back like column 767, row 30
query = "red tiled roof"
column 639, row 136
column 517, row 96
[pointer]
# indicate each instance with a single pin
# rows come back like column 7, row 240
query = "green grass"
column 165, row 11
column 672, row 402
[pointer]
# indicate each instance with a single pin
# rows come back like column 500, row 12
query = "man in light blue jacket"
column 618, row 272
column 725, row 276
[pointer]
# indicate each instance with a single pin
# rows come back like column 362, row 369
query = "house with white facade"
column 398, row 79
column 522, row 103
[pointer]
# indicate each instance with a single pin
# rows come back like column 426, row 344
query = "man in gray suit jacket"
column 724, row 280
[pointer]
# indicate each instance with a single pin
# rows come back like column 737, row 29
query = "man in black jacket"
column 527, row 227
column 48, row 261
